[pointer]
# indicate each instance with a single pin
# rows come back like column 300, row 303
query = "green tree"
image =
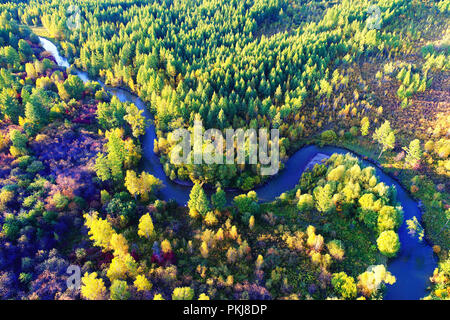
column 25, row 49
column 111, row 114
column 19, row 142
column 198, row 201
column 305, row 202
column 36, row 107
column 219, row 199
column 344, row 285
column 247, row 203
column 119, row 290
column 9, row 106
column 328, row 136
column 74, row 86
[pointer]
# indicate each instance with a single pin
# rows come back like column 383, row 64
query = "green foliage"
column 247, row 203
column 74, row 87
column 305, row 202
column 19, row 142
column 328, row 136
column 120, row 154
column 111, row 114
column 9, row 106
column 119, row 290
column 219, row 199
column 344, row 285
column 198, row 201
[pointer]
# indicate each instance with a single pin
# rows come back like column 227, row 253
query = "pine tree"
column 9, row 106
column 198, row 202
column 74, row 86
column 219, row 199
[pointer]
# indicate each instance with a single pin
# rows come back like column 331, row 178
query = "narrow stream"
column 415, row 261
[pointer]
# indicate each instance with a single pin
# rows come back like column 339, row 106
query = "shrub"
column 328, row 136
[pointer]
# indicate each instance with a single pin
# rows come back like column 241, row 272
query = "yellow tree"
column 132, row 183
column 100, row 230
column 203, row 296
column 183, row 293
column 142, row 284
column 145, row 226
column 165, row 246
column 122, row 267
column 142, row 185
column 92, row 288
column 149, row 184
column 370, row 281
column 119, row 245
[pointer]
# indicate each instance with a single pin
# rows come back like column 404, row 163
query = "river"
column 415, row 261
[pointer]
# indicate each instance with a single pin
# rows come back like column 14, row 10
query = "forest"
column 79, row 197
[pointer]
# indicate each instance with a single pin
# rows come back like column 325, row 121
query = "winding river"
column 413, row 265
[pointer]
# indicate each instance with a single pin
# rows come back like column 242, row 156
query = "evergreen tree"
column 219, row 199
column 198, row 201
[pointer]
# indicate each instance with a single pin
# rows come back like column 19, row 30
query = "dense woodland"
column 71, row 188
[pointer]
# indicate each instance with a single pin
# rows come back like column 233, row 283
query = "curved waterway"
column 413, row 265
